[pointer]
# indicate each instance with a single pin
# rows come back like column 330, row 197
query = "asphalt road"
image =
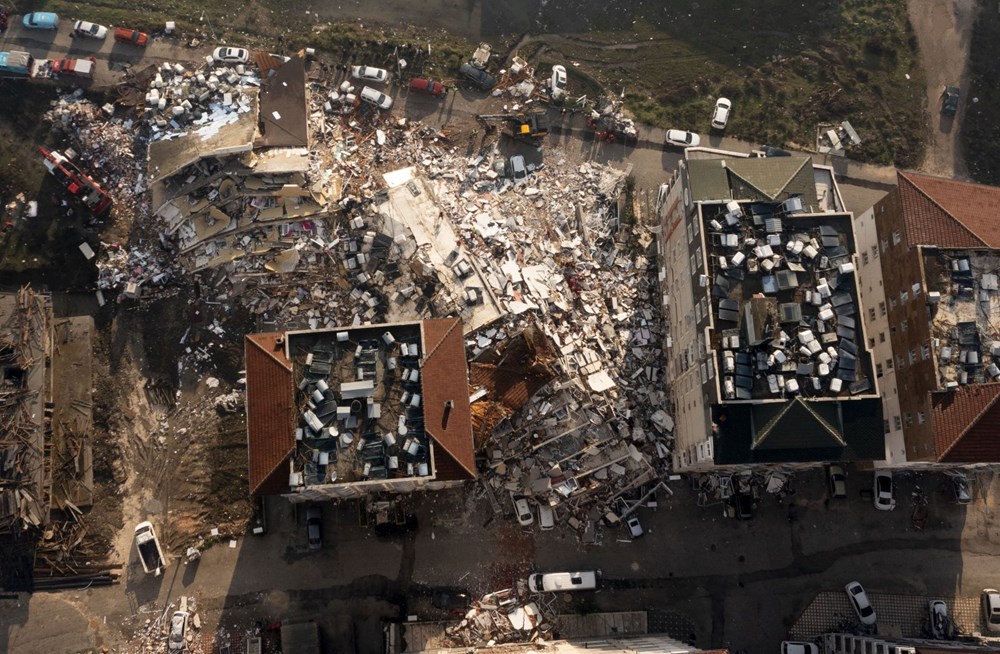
column 741, row 583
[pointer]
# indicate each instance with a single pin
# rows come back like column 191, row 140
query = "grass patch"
column 981, row 126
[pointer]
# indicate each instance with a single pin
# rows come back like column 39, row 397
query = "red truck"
column 73, row 67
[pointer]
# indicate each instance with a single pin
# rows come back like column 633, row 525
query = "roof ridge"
column 962, row 225
column 836, row 435
column 766, row 429
column 457, row 321
column 263, row 480
column 974, row 421
column 287, row 365
column 784, row 185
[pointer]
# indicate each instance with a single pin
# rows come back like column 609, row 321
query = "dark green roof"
column 797, row 424
column 768, row 179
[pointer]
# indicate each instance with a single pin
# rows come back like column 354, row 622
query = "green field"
column 981, row 126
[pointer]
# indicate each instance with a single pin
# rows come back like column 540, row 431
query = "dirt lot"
column 944, row 33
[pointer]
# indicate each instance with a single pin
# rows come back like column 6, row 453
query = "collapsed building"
column 766, row 347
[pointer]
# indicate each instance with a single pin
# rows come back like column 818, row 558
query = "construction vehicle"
column 78, row 183
column 149, row 548
column 527, row 126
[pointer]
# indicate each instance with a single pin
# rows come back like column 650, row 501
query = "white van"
column 376, row 98
column 553, row 582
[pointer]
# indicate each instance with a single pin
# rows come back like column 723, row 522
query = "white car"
column 682, row 138
column 634, row 526
column 231, row 55
column 558, row 82
column 884, row 501
column 523, row 511
column 369, row 74
column 546, row 517
column 721, row 114
column 376, row 98
column 518, row 171
column 859, row 600
column 177, row 640
column 991, row 609
column 796, row 647
column 90, row 30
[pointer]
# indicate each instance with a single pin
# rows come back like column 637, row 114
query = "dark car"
column 314, row 527
column 838, row 482
column 949, row 101
column 960, row 484
column 452, row 600
column 426, row 86
column 479, row 77
column 744, row 506
column 771, row 151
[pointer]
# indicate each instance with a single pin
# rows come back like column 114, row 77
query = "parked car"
column 231, row 55
column 859, row 600
column 682, row 138
column 523, row 511
column 558, row 82
column 477, row 76
column 41, row 20
column 131, row 37
column 89, row 30
column 376, row 98
column 884, row 501
column 426, row 86
column 562, row 581
column 177, row 640
column 938, row 619
column 314, row 527
column 744, row 506
column 796, row 647
column 721, row 114
column 991, row 609
column 838, row 482
column 518, row 170
column 451, row 600
column 634, row 526
column 949, row 100
column 369, row 74
column 74, row 67
column 960, row 486
column 546, row 517
column 771, row 151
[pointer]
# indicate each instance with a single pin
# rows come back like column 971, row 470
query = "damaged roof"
column 966, row 422
column 768, row 179
column 949, row 213
column 270, row 414
column 283, row 117
column 446, row 380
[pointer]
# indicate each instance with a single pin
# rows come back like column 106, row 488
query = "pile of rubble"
column 506, row 616
column 156, row 630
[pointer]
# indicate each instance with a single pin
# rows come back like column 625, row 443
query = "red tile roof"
column 966, row 422
column 949, row 213
column 270, row 415
column 446, row 377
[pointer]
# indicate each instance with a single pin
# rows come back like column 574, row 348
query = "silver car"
column 231, row 55
column 177, row 640
column 90, row 30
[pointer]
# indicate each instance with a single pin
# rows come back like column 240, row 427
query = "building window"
column 899, row 361
column 885, row 423
column 909, row 419
column 878, row 369
column 871, row 313
column 864, row 258
column 696, row 224
column 897, row 423
column 711, row 370
column 920, row 417
column 693, row 269
column 916, row 289
column 925, row 352
column 895, row 237
column 697, row 256
column 892, row 303
column 697, row 313
column 904, row 297
column 875, row 252
column 687, row 229
column 881, row 308
column 913, row 356
column 881, row 337
column 871, row 343
column 885, row 245
column 888, row 363
column 904, row 325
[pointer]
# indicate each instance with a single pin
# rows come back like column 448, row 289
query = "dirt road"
column 944, row 30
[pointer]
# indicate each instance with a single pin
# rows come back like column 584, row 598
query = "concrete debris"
column 511, row 615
